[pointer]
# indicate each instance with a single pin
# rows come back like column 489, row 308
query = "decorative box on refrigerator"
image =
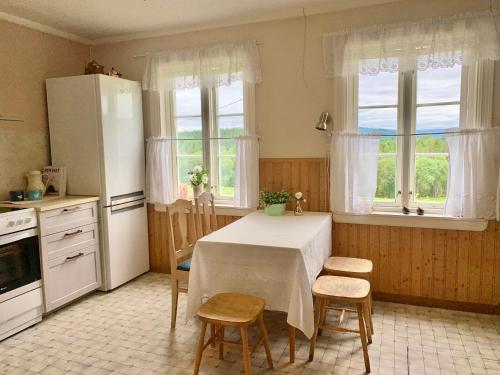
column 96, row 132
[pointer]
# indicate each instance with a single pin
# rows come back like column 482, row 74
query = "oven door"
column 19, row 259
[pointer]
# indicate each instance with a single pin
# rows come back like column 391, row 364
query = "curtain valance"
column 433, row 43
column 211, row 66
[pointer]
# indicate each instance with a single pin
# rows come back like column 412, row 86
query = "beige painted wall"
column 27, row 58
column 287, row 106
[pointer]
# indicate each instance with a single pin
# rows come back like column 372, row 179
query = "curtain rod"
column 194, row 139
column 142, row 55
column 198, row 139
column 465, row 131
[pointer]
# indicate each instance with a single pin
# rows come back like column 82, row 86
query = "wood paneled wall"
column 310, row 176
column 424, row 265
column 446, row 268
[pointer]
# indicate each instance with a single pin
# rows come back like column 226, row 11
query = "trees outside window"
column 412, row 170
column 201, row 117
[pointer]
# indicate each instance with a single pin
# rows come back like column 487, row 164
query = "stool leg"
column 370, row 302
column 322, row 317
column 221, row 344
column 175, row 297
column 291, row 336
column 265, row 339
column 317, row 316
column 324, row 310
column 199, row 350
column 366, row 318
column 362, row 333
column 246, row 352
column 212, row 335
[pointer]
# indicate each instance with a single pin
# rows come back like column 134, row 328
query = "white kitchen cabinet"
column 69, row 249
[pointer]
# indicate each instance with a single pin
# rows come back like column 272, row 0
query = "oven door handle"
column 17, row 236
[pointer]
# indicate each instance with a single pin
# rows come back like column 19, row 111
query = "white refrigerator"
column 96, row 132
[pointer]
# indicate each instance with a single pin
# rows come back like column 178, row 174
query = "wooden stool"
column 351, row 267
column 343, row 289
column 232, row 310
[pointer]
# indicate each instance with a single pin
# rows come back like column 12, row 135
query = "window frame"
column 412, row 203
column 406, row 146
column 209, row 127
column 393, row 205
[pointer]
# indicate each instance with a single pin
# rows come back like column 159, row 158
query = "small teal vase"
column 275, row 209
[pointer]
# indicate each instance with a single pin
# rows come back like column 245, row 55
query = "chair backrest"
column 206, row 221
column 181, row 229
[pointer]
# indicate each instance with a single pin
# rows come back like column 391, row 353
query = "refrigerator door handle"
column 126, row 198
column 139, row 203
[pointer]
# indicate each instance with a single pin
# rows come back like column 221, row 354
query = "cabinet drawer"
column 71, row 276
column 64, row 219
column 57, row 244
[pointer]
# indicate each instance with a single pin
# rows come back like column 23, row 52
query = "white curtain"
column 353, row 172
column 160, row 179
column 474, row 167
column 246, row 183
column 211, row 66
column 473, row 176
column 413, row 45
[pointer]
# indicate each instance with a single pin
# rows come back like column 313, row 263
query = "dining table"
column 276, row 258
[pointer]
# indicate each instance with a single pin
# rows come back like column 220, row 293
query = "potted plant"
column 198, row 178
column 274, row 202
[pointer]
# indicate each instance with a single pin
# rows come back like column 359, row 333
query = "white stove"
column 21, row 298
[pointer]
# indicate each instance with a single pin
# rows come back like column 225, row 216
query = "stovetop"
column 16, row 219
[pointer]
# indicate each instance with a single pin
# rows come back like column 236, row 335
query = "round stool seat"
column 232, row 308
column 341, row 287
column 346, row 266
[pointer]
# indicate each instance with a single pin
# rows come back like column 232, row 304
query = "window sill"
column 220, row 209
column 412, row 220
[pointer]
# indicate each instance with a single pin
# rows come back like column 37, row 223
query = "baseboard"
column 439, row 303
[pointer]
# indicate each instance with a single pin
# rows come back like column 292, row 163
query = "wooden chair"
column 351, row 267
column 232, row 310
column 181, row 239
column 342, row 289
column 206, row 220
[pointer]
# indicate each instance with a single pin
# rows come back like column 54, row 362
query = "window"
column 200, row 117
column 411, row 170
column 378, row 112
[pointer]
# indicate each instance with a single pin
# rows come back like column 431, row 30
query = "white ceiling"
column 98, row 21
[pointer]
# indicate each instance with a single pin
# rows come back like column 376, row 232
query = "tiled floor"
column 127, row 332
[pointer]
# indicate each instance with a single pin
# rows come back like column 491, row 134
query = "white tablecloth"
column 273, row 257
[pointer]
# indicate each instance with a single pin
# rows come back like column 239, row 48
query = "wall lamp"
column 322, row 123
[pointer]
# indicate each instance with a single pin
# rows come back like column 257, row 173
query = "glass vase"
column 197, row 190
column 298, row 209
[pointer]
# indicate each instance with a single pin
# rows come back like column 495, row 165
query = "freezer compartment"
column 126, row 251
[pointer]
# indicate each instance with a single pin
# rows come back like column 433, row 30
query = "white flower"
column 192, row 178
column 197, row 169
column 298, row 195
column 205, row 179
